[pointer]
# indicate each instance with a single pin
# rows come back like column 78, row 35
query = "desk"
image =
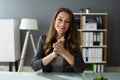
column 55, row 76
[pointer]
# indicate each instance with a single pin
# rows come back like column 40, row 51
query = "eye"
column 60, row 19
column 67, row 21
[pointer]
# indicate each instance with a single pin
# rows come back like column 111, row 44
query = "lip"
column 61, row 28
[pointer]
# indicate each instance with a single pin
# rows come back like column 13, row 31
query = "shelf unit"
column 92, row 28
column 10, row 42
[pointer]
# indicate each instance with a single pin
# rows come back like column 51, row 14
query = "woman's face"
column 62, row 23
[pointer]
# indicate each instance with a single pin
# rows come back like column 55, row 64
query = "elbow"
column 36, row 65
column 35, row 68
column 80, row 69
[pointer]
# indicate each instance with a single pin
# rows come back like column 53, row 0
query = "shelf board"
column 102, row 62
column 85, row 30
column 93, row 46
column 90, row 13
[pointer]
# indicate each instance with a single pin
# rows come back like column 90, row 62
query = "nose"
column 62, row 23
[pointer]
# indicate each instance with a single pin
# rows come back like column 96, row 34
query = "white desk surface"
column 55, row 76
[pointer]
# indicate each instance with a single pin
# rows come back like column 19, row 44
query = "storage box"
column 90, row 26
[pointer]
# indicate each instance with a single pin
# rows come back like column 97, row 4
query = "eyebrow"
column 62, row 17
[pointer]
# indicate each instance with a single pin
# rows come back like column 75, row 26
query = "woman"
column 59, row 51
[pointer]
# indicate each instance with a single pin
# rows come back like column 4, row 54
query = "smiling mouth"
column 61, row 29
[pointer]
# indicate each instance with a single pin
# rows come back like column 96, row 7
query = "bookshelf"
column 92, row 28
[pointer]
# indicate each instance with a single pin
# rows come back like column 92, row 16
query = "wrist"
column 54, row 54
column 64, row 53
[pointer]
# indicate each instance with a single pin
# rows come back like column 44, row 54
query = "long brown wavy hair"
column 71, row 37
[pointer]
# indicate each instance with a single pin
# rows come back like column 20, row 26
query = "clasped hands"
column 59, row 46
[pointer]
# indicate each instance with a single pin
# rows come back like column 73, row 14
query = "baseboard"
column 29, row 69
column 25, row 68
column 113, row 69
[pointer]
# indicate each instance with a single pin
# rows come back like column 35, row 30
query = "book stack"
column 93, row 68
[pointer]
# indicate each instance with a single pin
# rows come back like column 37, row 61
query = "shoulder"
column 41, row 40
column 43, row 37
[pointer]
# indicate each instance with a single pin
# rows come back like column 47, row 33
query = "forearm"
column 76, row 61
column 68, row 57
column 46, row 60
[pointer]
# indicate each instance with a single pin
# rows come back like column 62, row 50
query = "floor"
column 29, row 69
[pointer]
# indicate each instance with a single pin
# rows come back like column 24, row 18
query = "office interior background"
column 43, row 10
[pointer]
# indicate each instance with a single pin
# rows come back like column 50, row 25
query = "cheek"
column 67, row 26
column 56, row 23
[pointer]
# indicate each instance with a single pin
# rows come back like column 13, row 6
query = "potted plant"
column 81, row 10
column 88, row 10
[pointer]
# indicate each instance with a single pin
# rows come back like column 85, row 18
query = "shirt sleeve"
column 79, row 64
column 39, row 54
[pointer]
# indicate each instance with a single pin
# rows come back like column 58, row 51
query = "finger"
column 54, row 45
column 61, row 40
